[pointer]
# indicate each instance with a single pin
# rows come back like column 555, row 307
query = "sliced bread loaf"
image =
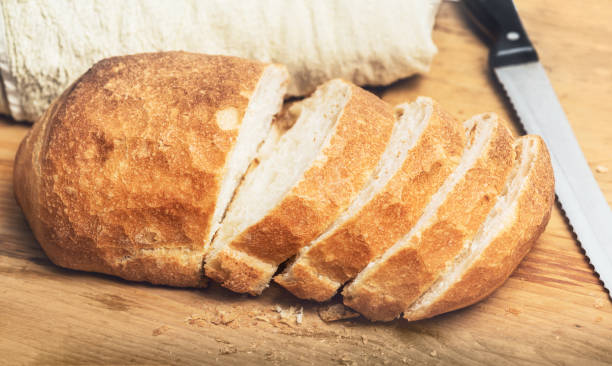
column 152, row 167
column 423, row 150
column 300, row 185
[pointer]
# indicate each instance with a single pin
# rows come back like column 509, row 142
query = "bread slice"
column 130, row 170
column 425, row 147
column 390, row 283
column 510, row 230
column 265, row 102
column 300, row 185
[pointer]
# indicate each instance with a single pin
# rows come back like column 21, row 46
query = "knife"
column 515, row 63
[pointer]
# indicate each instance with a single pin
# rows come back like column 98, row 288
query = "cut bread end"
column 383, row 290
column 319, row 282
column 304, row 281
column 281, row 166
column 520, row 214
column 266, row 101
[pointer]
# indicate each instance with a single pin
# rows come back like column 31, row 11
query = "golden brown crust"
column 341, row 256
column 390, row 287
column 324, row 191
column 509, row 247
column 121, row 175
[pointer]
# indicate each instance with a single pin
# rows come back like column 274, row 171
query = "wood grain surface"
column 553, row 310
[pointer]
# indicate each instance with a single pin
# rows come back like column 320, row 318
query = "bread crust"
column 324, row 191
column 510, row 246
column 389, row 288
column 386, row 218
column 121, row 174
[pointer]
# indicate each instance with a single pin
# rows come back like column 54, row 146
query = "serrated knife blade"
column 515, row 63
column 584, row 204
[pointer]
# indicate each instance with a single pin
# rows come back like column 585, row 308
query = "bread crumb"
column 599, row 303
column 433, row 353
column 228, row 349
column 196, row 319
column 299, row 316
column 161, row 330
column 601, row 169
column 364, row 340
column 285, row 316
column 513, row 311
column 275, row 356
column 223, row 317
column 334, row 312
column 345, row 360
column 598, row 319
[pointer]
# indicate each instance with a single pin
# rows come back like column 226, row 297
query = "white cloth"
column 45, row 45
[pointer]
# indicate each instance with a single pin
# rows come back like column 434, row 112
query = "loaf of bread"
column 130, row 170
column 365, row 42
column 174, row 167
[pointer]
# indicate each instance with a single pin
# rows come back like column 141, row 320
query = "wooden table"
column 552, row 310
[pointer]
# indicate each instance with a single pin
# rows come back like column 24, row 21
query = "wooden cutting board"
column 552, row 310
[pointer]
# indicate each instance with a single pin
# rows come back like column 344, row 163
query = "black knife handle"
column 501, row 21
